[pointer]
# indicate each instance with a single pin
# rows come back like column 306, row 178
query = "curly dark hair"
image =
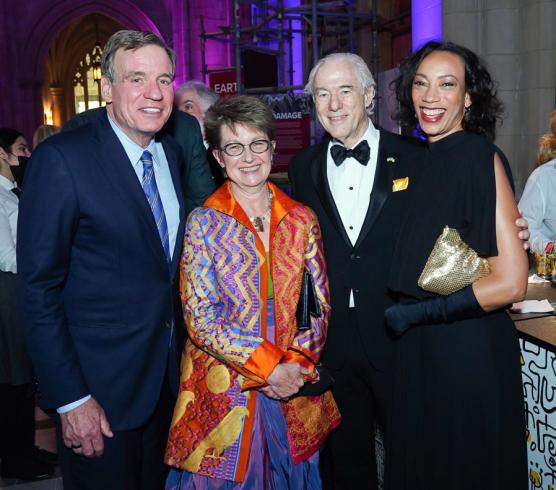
column 486, row 108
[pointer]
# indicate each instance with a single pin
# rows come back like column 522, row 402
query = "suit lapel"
column 174, row 165
column 320, row 180
column 381, row 186
column 112, row 157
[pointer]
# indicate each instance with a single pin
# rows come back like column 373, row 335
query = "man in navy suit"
column 100, row 235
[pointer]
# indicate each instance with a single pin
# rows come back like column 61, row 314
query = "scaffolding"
column 321, row 23
column 324, row 26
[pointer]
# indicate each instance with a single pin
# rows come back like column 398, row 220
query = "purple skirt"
column 270, row 465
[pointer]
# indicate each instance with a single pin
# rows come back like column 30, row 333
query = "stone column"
column 58, row 111
column 517, row 40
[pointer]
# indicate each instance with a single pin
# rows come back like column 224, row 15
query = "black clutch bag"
column 308, row 305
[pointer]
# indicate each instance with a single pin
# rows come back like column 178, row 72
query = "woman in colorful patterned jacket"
column 237, row 423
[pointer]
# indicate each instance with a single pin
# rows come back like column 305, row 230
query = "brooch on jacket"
column 400, row 184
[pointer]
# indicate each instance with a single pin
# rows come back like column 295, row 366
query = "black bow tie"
column 16, row 191
column 361, row 153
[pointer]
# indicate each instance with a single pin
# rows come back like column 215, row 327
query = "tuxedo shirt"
column 351, row 184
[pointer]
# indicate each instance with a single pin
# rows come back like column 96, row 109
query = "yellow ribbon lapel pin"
column 400, row 184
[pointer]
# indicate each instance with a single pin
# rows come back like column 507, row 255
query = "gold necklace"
column 258, row 221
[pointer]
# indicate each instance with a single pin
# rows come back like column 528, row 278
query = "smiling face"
column 249, row 171
column 341, row 102
column 140, row 98
column 439, row 96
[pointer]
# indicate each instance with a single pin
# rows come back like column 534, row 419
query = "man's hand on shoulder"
column 524, row 233
column 83, row 429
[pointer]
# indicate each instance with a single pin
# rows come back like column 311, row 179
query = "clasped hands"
column 84, row 427
column 284, row 381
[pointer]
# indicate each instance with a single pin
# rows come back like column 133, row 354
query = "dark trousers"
column 132, row 459
column 348, row 459
column 17, row 425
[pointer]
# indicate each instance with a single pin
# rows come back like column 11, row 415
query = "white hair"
column 362, row 71
column 205, row 93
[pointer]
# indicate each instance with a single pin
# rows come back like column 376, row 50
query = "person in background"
column 195, row 98
column 538, row 202
column 43, row 132
column 458, row 417
column 100, row 234
column 20, row 458
column 237, row 423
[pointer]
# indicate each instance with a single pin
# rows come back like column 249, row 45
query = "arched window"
column 86, row 82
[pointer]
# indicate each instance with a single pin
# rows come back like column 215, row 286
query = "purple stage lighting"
column 426, row 19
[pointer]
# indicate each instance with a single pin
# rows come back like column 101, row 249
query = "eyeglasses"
column 237, row 149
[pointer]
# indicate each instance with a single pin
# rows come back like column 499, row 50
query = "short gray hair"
column 131, row 40
column 362, row 71
column 238, row 110
column 206, row 94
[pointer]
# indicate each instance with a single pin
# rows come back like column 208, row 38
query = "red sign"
column 292, row 136
column 293, row 126
column 223, row 82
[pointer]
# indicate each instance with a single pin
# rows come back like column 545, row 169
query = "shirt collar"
column 371, row 135
column 132, row 149
column 7, row 183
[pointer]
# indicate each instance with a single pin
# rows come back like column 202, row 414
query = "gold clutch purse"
column 452, row 265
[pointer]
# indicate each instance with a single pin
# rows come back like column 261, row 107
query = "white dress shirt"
column 538, row 204
column 8, row 225
column 351, row 184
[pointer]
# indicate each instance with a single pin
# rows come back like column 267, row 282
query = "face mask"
column 18, row 171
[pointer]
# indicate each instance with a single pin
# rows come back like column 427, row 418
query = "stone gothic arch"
column 43, row 84
column 50, row 22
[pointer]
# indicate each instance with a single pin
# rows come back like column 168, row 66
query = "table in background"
column 537, row 334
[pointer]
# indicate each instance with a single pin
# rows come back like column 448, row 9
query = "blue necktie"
column 153, row 197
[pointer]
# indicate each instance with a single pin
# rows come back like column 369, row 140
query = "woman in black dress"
column 458, row 420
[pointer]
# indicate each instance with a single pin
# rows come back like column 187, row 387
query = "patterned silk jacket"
column 224, row 289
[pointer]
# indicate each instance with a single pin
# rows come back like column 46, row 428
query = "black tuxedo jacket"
column 364, row 267
column 95, row 292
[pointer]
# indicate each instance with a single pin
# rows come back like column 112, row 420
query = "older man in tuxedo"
column 100, row 234
column 347, row 180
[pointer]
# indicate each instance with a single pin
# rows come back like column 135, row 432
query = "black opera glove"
column 460, row 305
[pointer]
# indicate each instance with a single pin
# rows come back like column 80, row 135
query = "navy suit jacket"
column 198, row 178
column 94, row 289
